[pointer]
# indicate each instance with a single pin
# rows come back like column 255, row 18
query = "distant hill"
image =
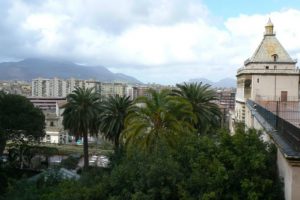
column 33, row 68
column 224, row 83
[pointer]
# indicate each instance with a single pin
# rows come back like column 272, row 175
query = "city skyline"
column 145, row 39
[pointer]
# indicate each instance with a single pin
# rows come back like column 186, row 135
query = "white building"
column 42, row 87
column 267, row 99
column 270, row 74
column 110, row 89
column 55, row 132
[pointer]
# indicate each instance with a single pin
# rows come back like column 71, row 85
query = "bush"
column 219, row 167
column 70, row 163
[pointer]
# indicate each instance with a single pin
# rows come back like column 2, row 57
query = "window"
column 257, row 80
column 248, row 83
column 51, row 124
column 275, row 57
column 267, row 67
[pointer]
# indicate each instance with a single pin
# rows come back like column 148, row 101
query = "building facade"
column 42, row 87
column 267, row 99
column 226, row 98
column 111, row 89
column 270, row 74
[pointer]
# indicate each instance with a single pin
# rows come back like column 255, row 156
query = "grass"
column 67, row 149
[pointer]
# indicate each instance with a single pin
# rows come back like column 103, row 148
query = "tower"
column 270, row 75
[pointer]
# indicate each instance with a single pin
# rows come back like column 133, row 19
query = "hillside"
column 224, row 83
column 32, row 68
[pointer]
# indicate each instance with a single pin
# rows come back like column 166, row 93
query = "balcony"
column 282, row 122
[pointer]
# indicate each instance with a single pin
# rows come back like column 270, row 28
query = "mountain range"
column 31, row 68
column 223, row 83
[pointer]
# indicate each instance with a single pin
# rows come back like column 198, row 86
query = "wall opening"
column 275, row 57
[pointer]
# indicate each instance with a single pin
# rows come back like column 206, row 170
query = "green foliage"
column 22, row 151
column 79, row 115
column 82, row 106
column 201, row 97
column 179, row 165
column 114, row 110
column 3, row 181
column 219, row 167
column 70, row 163
column 19, row 118
column 159, row 117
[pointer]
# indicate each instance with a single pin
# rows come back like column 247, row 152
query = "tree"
column 21, row 152
column 19, row 118
column 159, row 116
column 114, row 110
column 199, row 167
column 201, row 97
column 81, row 108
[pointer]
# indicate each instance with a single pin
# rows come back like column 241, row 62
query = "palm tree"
column 114, row 110
column 160, row 117
column 81, row 108
column 201, row 97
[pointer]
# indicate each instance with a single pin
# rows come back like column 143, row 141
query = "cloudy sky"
column 162, row 41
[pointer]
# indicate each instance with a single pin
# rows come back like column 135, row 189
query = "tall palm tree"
column 201, row 97
column 81, row 108
column 159, row 117
column 114, row 110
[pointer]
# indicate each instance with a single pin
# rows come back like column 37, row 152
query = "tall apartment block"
column 56, row 87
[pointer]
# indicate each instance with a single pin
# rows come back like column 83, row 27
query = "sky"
column 161, row 41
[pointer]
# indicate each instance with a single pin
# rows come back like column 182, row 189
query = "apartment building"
column 110, row 89
column 42, row 87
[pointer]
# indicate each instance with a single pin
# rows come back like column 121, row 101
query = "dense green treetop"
column 202, row 98
column 200, row 167
column 114, row 110
column 79, row 113
column 159, row 116
column 19, row 118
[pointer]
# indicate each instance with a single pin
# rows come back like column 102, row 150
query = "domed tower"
column 269, row 75
column 269, row 28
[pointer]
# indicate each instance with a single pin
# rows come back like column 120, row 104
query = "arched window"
column 275, row 57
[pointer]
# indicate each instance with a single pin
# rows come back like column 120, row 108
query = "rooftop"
column 270, row 49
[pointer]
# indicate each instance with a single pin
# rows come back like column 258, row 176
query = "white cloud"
column 156, row 41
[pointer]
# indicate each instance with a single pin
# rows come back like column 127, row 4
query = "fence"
column 282, row 116
column 275, row 98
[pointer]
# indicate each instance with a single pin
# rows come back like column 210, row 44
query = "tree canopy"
column 114, row 110
column 19, row 117
column 200, row 167
column 179, row 165
column 159, row 116
column 79, row 113
column 202, row 98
